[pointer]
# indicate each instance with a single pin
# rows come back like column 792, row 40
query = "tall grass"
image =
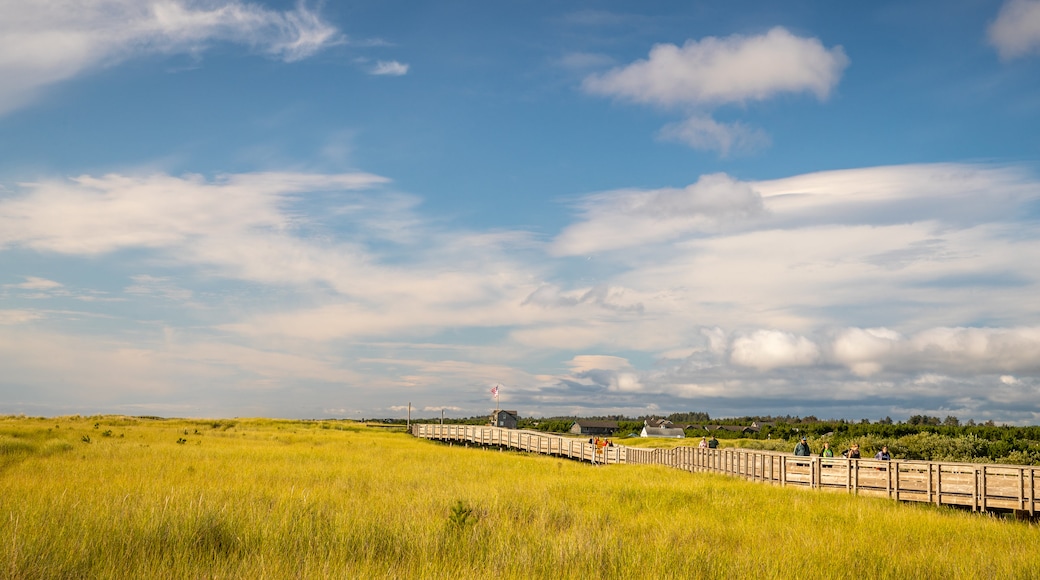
column 281, row 499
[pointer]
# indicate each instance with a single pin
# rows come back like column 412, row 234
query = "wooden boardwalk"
column 982, row 487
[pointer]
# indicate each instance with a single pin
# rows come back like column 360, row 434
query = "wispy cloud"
column 390, row 68
column 629, row 218
column 47, row 41
column 706, row 134
column 1016, row 30
column 35, row 283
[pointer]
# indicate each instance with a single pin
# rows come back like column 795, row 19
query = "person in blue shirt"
column 802, row 448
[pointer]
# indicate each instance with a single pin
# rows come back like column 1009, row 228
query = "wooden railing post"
column 1032, row 491
column 982, row 487
column 975, row 491
column 938, row 484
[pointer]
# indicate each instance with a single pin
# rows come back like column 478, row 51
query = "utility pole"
column 442, row 416
column 409, row 416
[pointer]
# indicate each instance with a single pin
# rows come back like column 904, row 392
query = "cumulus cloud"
column 770, row 349
column 707, row 73
column 942, row 349
column 626, row 218
column 47, row 41
column 989, row 350
column 1016, row 30
column 734, row 69
column 865, row 350
column 390, row 68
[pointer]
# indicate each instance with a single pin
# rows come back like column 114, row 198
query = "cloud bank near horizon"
column 872, row 289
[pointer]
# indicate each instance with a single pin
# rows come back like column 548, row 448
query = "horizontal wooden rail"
column 982, row 487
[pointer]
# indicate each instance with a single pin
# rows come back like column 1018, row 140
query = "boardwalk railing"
column 982, row 487
column 533, row 441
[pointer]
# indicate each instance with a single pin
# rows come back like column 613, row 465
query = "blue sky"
column 303, row 209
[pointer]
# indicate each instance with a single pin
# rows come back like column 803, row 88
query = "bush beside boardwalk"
column 266, row 498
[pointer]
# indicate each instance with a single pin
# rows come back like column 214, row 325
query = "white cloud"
column 96, row 215
column 770, row 349
column 389, row 68
column 47, row 41
column 18, row 316
column 707, row 134
column 1016, row 30
column 707, row 73
column 843, row 284
column 35, row 283
column 628, row 218
column 942, row 349
column 981, row 350
column 735, row 69
column 588, row 362
column 865, row 350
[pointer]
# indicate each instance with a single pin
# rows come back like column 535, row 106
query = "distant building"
column 655, row 423
column 667, row 432
column 732, row 428
column 506, row 419
column 590, row 427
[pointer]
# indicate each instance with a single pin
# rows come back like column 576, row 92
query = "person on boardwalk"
column 883, row 455
column 827, row 451
column 802, row 448
column 704, row 443
column 713, row 443
column 852, row 452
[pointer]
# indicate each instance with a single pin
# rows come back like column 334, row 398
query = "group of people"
column 852, row 452
column 706, row 443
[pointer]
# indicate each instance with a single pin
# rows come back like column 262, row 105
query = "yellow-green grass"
column 286, row 499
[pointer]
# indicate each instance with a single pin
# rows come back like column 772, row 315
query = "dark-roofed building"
column 732, row 428
column 657, row 423
column 506, row 419
column 594, row 427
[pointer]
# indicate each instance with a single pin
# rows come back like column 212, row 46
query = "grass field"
column 115, row 497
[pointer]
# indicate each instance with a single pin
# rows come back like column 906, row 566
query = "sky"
column 221, row 208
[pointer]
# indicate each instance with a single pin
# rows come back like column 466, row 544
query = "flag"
column 494, row 391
